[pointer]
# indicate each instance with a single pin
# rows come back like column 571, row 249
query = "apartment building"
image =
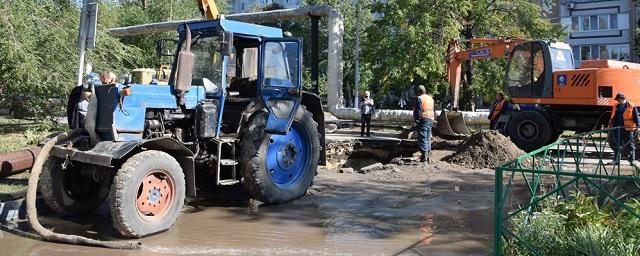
column 598, row 29
column 240, row 6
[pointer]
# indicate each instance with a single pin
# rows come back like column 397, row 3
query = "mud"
column 485, row 149
column 410, row 209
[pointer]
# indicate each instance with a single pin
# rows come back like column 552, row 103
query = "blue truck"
column 234, row 111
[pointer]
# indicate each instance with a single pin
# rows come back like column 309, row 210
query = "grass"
column 17, row 134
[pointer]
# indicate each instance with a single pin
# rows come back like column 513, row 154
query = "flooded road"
column 441, row 209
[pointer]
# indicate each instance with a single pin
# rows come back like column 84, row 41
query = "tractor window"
column 275, row 62
column 281, row 61
column 207, row 70
column 250, row 63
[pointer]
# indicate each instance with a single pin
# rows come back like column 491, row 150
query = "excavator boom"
column 209, row 9
column 451, row 123
column 482, row 48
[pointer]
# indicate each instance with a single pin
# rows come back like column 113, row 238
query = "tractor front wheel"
column 147, row 194
column 279, row 168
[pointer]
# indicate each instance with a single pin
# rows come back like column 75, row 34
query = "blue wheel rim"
column 288, row 156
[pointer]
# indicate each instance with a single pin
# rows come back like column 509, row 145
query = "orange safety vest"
column 427, row 109
column 497, row 109
column 627, row 116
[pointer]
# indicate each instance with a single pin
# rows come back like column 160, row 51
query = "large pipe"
column 16, row 162
column 335, row 64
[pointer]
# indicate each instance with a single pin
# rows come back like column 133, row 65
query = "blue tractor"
column 234, row 111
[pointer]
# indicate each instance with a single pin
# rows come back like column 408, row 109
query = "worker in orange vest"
column 496, row 109
column 623, row 114
column 424, row 113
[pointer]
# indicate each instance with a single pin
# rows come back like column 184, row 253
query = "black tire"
column 529, row 130
column 253, row 163
column 127, row 188
column 70, row 192
column 555, row 135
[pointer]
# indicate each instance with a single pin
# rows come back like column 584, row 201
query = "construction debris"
column 485, row 149
column 346, row 170
column 372, row 167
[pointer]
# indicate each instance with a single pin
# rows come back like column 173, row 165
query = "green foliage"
column 407, row 45
column 580, row 226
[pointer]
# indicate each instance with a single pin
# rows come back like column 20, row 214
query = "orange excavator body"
column 594, row 83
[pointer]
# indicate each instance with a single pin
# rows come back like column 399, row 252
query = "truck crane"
column 232, row 112
column 549, row 95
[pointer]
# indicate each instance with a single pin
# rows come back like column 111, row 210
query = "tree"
column 407, row 45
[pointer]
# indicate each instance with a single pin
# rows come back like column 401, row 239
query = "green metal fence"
column 587, row 164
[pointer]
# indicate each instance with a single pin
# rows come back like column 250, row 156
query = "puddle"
column 342, row 215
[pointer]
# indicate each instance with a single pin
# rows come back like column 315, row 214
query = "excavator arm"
column 482, row 48
column 209, row 9
column 451, row 123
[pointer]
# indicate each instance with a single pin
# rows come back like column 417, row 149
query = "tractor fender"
column 314, row 105
column 311, row 102
column 112, row 153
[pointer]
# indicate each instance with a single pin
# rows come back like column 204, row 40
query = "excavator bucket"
column 450, row 124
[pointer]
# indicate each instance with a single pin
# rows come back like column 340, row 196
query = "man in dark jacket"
column 624, row 115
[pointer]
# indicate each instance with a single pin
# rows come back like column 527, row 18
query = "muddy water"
column 417, row 213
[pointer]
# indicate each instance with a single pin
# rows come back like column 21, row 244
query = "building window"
column 604, row 52
column 242, row 6
column 613, row 21
column 593, row 52
column 585, row 53
column 603, row 22
column 575, row 23
column 594, row 22
column 585, row 24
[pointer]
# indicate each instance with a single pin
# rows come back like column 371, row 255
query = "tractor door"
column 529, row 71
column 279, row 81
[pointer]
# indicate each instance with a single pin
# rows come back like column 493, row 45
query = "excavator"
column 548, row 93
column 451, row 123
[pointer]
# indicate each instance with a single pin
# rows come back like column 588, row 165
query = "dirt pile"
column 485, row 149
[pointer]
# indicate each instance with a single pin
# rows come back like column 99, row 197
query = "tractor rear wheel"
column 147, row 194
column 529, row 130
column 279, row 168
column 74, row 190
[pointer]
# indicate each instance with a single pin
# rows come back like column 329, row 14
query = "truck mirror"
column 184, row 70
column 226, row 44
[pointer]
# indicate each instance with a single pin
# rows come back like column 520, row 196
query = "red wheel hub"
column 155, row 196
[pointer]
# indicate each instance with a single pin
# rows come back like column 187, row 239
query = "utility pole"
column 633, row 24
column 87, row 33
column 357, row 57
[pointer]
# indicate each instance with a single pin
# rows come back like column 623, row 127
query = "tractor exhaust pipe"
column 16, row 162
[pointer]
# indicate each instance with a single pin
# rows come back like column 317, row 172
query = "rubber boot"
column 429, row 157
column 423, row 157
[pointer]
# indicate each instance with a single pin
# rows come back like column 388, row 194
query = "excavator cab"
column 531, row 66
